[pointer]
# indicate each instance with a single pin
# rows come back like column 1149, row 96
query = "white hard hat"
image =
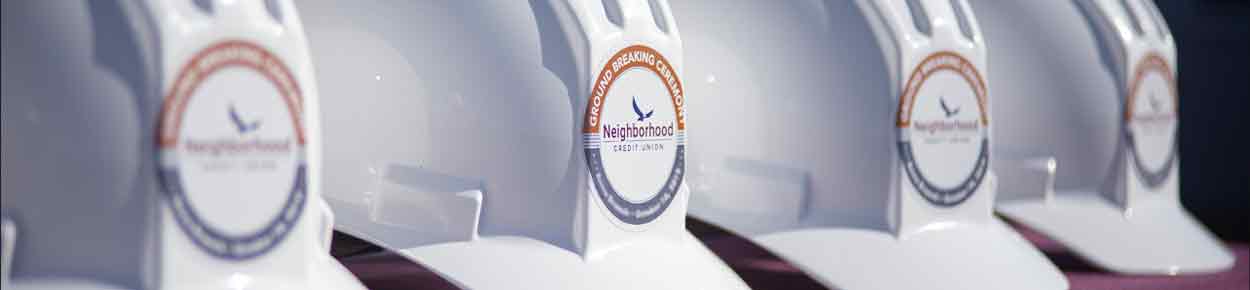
column 852, row 140
column 481, row 139
column 161, row 144
column 1088, row 130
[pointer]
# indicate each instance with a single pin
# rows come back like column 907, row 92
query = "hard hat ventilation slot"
column 205, row 6
column 961, row 17
column 1132, row 17
column 919, row 18
column 1160, row 25
column 612, row 9
column 658, row 15
column 275, row 10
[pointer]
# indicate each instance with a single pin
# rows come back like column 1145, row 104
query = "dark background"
column 1213, row 50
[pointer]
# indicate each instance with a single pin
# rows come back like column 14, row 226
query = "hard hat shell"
column 142, row 141
column 805, row 147
column 465, row 136
column 1091, row 96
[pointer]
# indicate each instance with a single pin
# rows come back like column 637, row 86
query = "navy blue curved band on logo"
column 940, row 196
column 1152, row 178
column 630, row 212
column 226, row 246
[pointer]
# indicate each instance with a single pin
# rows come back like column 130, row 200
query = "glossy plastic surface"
column 1065, row 71
column 454, row 137
column 84, row 84
column 798, row 105
column 797, row 122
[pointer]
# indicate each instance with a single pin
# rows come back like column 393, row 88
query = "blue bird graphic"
column 243, row 127
column 641, row 116
column 949, row 112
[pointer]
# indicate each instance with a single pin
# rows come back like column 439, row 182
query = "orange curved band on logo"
column 625, row 59
column 214, row 58
column 936, row 62
column 1151, row 62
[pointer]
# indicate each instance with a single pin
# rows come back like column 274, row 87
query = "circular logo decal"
column 943, row 129
column 634, row 134
column 231, row 145
column 1150, row 115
